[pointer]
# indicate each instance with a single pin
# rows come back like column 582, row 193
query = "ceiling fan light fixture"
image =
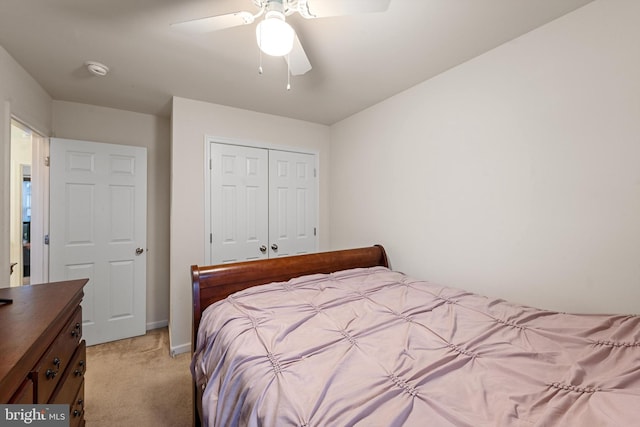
column 275, row 37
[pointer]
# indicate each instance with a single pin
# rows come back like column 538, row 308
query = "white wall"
column 23, row 97
column 192, row 121
column 516, row 174
column 99, row 124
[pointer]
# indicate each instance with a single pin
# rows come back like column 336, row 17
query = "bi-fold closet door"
column 263, row 203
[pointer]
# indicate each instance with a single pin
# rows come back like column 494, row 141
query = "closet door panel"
column 239, row 203
column 293, row 203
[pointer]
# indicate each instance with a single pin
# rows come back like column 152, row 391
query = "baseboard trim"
column 157, row 325
column 183, row 348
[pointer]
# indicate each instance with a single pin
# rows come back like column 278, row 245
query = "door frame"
column 208, row 140
column 40, row 203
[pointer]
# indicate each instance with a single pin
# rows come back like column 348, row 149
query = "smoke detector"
column 96, row 68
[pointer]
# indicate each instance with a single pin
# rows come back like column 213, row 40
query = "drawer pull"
column 50, row 373
column 76, row 330
column 79, row 372
column 78, row 413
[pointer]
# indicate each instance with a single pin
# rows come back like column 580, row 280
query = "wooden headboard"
column 216, row 282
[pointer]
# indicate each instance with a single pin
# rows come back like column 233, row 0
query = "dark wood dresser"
column 42, row 357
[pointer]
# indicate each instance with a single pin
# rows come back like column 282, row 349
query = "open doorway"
column 28, row 187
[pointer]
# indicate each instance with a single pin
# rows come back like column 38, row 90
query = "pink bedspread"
column 372, row 347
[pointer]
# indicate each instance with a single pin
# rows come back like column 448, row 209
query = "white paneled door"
column 239, row 195
column 263, row 203
column 98, row 209
column 292, row 203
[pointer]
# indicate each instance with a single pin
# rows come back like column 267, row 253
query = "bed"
column 339, row 339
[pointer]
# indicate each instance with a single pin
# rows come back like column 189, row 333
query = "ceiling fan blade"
column 215, row 23
column 325, row 8
column 298, row 62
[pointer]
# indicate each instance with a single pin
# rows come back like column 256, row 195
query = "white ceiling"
column 357, row 60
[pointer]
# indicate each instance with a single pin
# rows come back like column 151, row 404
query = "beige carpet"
column 135, row 382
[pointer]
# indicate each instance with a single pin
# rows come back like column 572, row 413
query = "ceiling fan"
column 274, row 35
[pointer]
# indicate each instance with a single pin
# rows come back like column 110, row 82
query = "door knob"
column 139, row 251
column 274, row 247
column 263, row 249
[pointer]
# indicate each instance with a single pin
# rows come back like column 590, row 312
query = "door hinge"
column 210, row 238
column 314, row 231
column 210, row 164
column 315, row 173
column 47, row 161
column 46, row 239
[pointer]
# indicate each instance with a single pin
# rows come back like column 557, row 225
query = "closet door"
column 239, row 203
column 292, row 203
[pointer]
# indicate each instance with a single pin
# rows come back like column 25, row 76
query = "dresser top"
column 30, row 323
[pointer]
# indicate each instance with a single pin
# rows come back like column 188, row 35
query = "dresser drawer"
column 76, row 413
column 72, row 377
column 53, row 364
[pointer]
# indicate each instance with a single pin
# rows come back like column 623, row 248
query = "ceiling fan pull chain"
column 288, row 72
column 259, row 61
